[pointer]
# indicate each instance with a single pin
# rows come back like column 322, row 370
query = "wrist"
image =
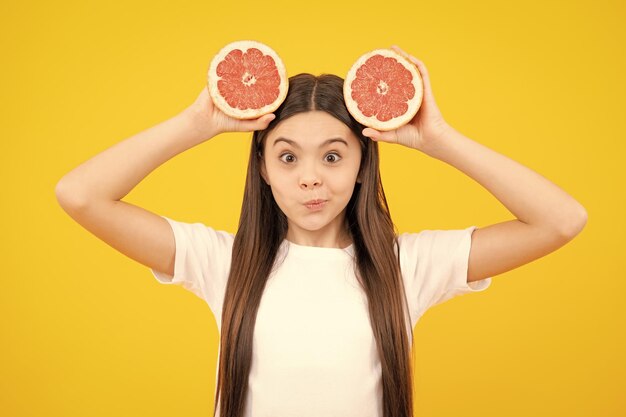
column 200, row 127
column 437, row 143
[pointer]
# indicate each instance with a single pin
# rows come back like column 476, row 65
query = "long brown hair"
column 262, row 228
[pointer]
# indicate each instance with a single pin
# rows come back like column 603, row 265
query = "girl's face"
column 310, row 156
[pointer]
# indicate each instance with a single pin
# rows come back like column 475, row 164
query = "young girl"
column 316, row 302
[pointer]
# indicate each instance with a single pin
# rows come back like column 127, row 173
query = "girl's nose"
column 309, row 175
column 309, row 182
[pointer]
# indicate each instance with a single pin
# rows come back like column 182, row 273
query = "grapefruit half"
column 247, row 79
column 383, row 90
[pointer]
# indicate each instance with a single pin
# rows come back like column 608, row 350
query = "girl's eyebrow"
column 326, row 142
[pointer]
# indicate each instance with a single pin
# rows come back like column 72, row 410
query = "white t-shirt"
column 314, row 352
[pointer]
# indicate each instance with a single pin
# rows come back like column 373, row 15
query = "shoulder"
column 201, row 239
column 430, row 237
column 200, row 229
column 433, row 245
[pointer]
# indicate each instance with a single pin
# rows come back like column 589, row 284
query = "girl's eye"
column 336, row 155
column 287, row 154
column 291, row 157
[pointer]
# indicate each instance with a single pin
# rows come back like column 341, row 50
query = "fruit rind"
column 372, row 121
column 219, row 100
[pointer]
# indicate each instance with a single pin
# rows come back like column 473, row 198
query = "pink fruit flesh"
column 249, row 80
column 382, row 87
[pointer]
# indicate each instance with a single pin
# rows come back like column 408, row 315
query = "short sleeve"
column 434, row 267
column 202, row 261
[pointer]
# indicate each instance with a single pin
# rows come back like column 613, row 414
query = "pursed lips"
column 314, row 201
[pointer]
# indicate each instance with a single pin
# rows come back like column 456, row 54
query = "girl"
column 316, row 295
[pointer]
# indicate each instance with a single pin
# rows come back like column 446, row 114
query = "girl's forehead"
column 313, row 127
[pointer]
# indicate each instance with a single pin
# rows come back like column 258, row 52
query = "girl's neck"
column 318, row 240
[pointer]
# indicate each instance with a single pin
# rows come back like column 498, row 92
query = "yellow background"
column 87, row 331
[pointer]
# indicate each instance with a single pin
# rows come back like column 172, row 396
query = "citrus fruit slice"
column 247, row 79
column 383, row 90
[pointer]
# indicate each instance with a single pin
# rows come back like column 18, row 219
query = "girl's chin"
column 308, row 223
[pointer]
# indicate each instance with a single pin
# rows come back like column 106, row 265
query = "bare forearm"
column 529, row 196
column 113, row 173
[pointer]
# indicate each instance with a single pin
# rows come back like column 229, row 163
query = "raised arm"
column 91, row 193
column 546, row 216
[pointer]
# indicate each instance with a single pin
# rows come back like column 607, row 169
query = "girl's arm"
column 91, row 193
column 547, row 217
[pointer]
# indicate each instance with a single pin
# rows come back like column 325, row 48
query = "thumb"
column 257, row 124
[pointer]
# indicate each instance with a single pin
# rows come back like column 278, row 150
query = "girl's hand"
column 209, row 121
column 428, row 125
